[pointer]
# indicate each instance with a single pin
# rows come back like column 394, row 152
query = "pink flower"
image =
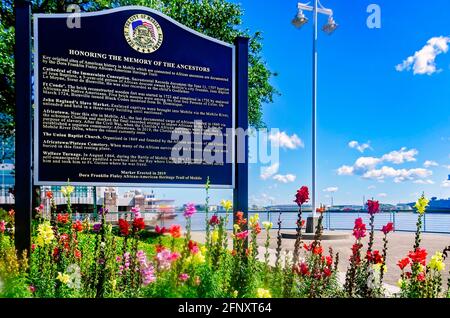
column 165, row 258
column 146, row 269
column 242, row 235
column 183, row 277
column 32, row 288
column 373, row 207
column 388, row 228
column 137, row 212
column 359, row 230
column 2, row 226
column 190, row 210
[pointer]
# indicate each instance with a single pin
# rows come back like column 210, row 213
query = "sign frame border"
column 35, row 117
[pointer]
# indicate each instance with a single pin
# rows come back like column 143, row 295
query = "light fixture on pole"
column 300, row 19
column 329, row 28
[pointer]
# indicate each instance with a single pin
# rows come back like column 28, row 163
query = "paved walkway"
column 399, row 245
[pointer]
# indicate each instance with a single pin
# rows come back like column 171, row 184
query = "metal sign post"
column 23, row 181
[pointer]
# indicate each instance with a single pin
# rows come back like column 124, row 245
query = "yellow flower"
column 254, row 219
column 377, row 268
column 45, row 234
column 67, row 191
column 421, row 268
column 227, row 204
column 263, row 293
column 237, row 227
column 214, row 236
column 235, row 294
column 63, row 278
column 437, row 262
column 400, row 283
column 267, row 225
column 196, row 259
column 422, row 204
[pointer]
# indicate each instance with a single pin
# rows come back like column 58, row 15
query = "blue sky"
column 401, row 118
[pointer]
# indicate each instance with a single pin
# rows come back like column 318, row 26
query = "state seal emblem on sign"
column 143, row 33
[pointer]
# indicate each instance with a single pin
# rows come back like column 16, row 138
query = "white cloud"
column 423, row 61
column 269, row 171
column 366, row 167
column 288, row 178
column 345, row 171
column 447, row 166
column 371, row 187
column 286, row 141
column 420, row 181
column 430, row 163
column 401, row 156
column 360, row 147
column 331, row 189
column 446, row 184
column 382, row 195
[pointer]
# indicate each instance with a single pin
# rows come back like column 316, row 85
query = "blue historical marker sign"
column 130, row 96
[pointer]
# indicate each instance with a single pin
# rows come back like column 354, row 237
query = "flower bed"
column 85, row 259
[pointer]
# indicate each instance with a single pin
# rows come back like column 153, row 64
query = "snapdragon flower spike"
column 136, row 211
column 302, row 196
column 373, row 207
column 190, row 210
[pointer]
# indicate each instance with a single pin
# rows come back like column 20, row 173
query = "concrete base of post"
column 311, row 224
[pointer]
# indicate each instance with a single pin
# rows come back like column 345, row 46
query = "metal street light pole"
column 314, row 110
column 298, row 21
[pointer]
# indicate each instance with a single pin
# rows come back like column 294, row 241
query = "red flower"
column 160, row 230
column 403, row 263
column 62, row 218
column 418, row 256
column 374, row 257
column 138, row 224
column 329, row 260
column 355, row 253
column 421, row 277
column 302, row 196
column 78, row 226
column 64, row 240
column 301, row 269
column 318, row 250
column 77, row 254
column 175, row 230
column 326, row 272
column 240, row 218
column 124, row 227
column 307, row 247
column 159, row 248
column 56, row 252
column 302, row 223
column 257, row 228
column 388, row 228
column 373, row 207
column 359, row 230
column 49, row 194
column 214, row 220
column 193, row 247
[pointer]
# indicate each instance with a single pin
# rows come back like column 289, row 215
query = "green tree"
column 216, row 18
